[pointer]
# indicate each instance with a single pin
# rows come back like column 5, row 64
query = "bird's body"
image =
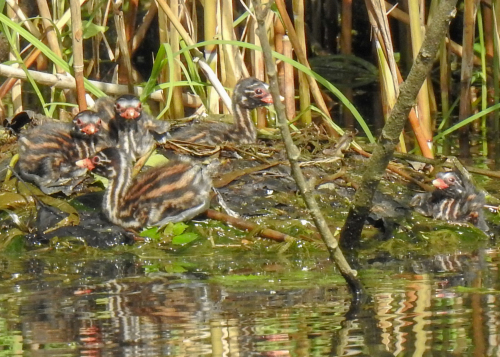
column 455, row 200
column 47, row 153
column 174, row 192
column 249, row 93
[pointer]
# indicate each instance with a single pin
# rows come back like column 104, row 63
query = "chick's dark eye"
column 98, row 122
column 451, row 179
column 95, row 160
column 78, row 121
column 258, row 91
column 139, row 106
column 118, row 106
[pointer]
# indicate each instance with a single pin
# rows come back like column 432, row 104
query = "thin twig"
column 249, row 226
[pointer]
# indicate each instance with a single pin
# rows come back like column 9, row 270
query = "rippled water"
column 125, row 305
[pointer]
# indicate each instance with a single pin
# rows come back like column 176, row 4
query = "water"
column 74, row 304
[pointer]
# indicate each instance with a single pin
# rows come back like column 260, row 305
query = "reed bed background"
column 182, row 53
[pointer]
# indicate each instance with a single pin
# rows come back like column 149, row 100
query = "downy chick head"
column 252, row 93
column 106, row 162
column 450, row 183
column 87, row 123
column 128, row 107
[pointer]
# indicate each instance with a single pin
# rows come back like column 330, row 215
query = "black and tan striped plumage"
column 174, row 192
column 455, row 200
column 132, row 130
column 47, row 153
column 249, row 93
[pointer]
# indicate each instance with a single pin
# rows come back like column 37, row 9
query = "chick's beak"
column 130, row 113
column 268, row 99
column 90, row 129
column 85, row 164
column 439, row 183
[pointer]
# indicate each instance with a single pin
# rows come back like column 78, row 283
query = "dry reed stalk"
column 489, row 33
column 388, row 71
column 130, row 19
column 304, row 89
column 346, row 30
column 416, row 14
column 68, row 82
column 257, row 67
column 33, row 55
column 143, row 28
column 94, row 65
column 210, row 52
column 77, row 37
column 466, row 75
column 232, row 62
column 496, row 77
column 403, row 17
column 346, row 49
column 279, row 33
column 16, row 92
column 316, row 92
column 444, row 86
column 163, row 28
column 176, row 109
column 289, row 81
column 102, row 20
column 285, row 71
column 123, row 49
column 51, row 34
column 23, row 20
column 377, row 15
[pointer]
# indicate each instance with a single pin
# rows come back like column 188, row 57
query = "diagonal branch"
column 293, row 155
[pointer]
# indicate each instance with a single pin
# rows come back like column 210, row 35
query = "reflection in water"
column 113, row 307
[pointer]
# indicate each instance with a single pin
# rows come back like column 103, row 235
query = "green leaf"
column 90, row 29
column 156, row 160
column 179, row 228
column 15, row 246
column 184, row 238
column 152, row 233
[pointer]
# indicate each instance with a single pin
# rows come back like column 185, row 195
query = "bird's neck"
column 117, row 188
column 243, row 123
